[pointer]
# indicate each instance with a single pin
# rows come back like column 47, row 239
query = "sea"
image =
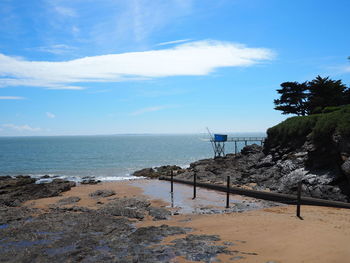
column 105, row 158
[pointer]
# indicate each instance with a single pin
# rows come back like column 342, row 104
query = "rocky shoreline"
column 68, row 232
column 277, row 170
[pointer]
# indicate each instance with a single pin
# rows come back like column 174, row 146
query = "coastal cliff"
column 313, row 149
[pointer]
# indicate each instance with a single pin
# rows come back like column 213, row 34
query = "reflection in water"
column 181, row 198
column 172, row 199
column 207, row 201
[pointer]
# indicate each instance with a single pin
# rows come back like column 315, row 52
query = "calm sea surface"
column 111, row 157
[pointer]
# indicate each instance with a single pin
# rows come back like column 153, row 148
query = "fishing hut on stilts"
column 218, row 142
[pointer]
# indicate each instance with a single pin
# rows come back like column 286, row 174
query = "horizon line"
column 124, row 134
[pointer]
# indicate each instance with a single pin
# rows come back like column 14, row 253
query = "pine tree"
column 293, row 98
column 325, row 92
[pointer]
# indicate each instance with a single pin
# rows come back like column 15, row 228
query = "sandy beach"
column 272, row 234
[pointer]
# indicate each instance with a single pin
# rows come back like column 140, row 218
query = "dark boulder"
column 102, row 193
column 14, row 191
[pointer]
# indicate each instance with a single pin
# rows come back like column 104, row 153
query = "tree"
column 293, row 98
column 311, row 97
column 324, row 92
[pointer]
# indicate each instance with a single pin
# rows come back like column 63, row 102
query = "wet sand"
column 272, row 234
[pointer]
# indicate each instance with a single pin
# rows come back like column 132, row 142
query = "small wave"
column 118, row 178
column 47, row 178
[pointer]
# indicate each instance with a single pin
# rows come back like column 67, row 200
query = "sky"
column 83, row 67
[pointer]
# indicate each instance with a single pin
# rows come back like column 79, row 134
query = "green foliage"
column 311, row 97
column 320, row 127
column 293, row 98
column 331, row 109
column 291, row 129
column 325, row 92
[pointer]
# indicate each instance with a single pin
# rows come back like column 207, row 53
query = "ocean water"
column 108, row 158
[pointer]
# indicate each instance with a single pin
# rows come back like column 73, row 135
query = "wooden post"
column 228, row 193
column 172, row 181
column 299, row 199
column 235, row 147
column 194, row 186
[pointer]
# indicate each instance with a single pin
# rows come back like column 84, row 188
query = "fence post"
column 228, row 193
column 172, row 181
column 299, row 199
column 194, row 186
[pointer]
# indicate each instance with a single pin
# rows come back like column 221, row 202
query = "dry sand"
column 266, row 235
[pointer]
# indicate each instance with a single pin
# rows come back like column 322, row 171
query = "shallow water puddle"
column 207, row 201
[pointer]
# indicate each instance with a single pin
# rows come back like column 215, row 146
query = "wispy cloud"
column 149, row 109
column 11, row 98
column 50, row 115
column 65, row 11
column 173, row 42
column 190, row 59
column 56, row 49
column 21, row 128
column 99, row 91
column 143, row 17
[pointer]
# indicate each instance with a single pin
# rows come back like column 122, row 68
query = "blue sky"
column 70, row 67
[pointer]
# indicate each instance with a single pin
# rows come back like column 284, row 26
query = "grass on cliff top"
column 319, row 126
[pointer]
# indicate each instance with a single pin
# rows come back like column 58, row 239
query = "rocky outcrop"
column 278, row 169
column 95, row 236
column 158, row 171
column 15, row 190
column 102, row 193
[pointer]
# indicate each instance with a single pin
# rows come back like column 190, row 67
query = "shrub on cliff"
column 319, row 127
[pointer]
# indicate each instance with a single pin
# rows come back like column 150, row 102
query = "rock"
column 265, row 162
column 128, row 207
column 147, row 172
column 251, row 149
column 5, row 177
column 102, row 193
column 324, row 171
column 198, row 247
column 90, row 181
column 73, row 208
column 9, row 182
column 159, row 171
column 69, row 200
column 152, row 234
column 78, row 234
column 14, row 191
column 159, row 213
column 346, row 168
column 12, row 214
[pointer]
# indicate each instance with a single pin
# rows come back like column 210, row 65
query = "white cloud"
column 149, row 109
column 50, row 115
column 65, row 11
column 173, row 42
column 190, row 59
column 20, row 127
column 11, row 98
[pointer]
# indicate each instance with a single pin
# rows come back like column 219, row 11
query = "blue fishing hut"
column 218, row 143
